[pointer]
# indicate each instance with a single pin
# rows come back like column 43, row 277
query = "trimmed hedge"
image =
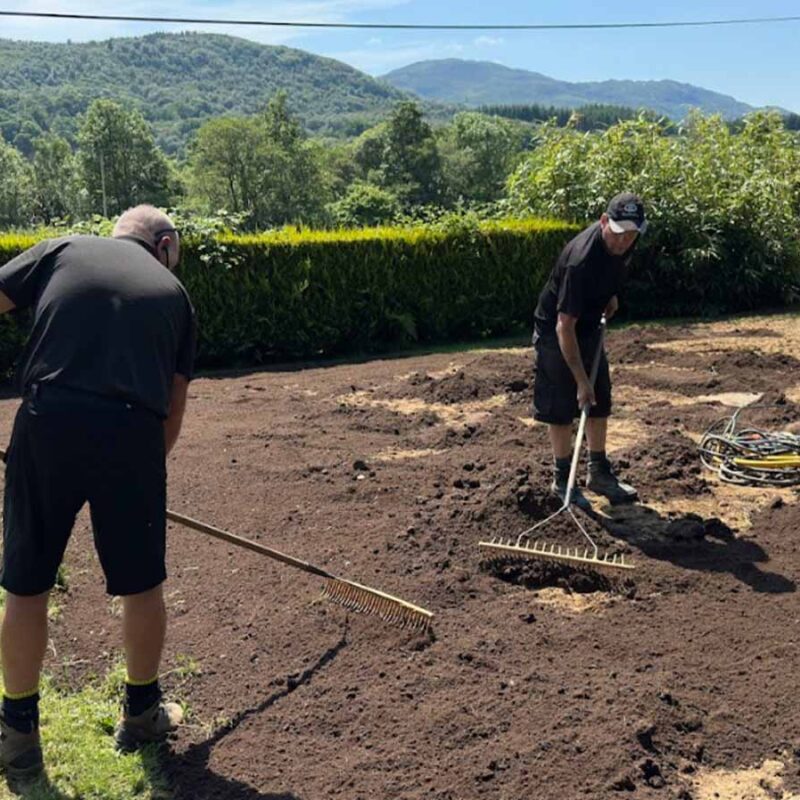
column 299, row 294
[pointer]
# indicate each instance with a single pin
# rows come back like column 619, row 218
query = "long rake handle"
column 248, row 544
column 576, row 453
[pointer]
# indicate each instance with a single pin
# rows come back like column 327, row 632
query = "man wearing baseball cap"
column 581, row 289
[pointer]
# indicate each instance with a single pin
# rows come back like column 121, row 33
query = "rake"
column 348, row 594
column 527, row 547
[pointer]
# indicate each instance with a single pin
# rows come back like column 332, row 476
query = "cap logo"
column 631, row 208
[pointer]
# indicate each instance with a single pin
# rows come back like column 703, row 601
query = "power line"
column 403, row 26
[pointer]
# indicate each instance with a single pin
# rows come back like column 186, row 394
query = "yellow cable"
column 792, row 462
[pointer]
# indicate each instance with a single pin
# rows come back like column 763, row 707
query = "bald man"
column 103, row 377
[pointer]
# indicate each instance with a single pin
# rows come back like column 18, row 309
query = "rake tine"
column 364, row 600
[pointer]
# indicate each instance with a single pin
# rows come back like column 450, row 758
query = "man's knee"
column 29, row 605
column 149, row 601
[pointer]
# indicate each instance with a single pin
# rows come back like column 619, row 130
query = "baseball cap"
column 626, row 213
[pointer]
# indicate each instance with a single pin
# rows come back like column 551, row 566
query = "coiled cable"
column 750, row 456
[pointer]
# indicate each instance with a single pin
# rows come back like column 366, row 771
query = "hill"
column 178, row 81
column 477, row 83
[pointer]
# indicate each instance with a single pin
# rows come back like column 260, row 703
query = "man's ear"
column 164, row 244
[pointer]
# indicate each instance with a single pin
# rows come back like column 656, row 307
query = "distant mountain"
column 477, row 83
column 178, row 81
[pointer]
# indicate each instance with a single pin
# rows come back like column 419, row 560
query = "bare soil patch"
column 535, row 684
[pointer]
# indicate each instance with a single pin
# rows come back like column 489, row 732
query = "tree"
column 225, row 171
column 57, row 190
column 411, row 165
column 16, row 188
column 478, row 154
column 120, row 162
column 263, row 166
column 368, row 152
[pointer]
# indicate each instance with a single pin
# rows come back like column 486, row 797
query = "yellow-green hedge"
column 300, row 294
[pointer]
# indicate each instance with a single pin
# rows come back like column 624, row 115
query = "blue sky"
column 756, row 64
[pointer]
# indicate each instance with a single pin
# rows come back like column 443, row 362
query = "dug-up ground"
column 679, row 683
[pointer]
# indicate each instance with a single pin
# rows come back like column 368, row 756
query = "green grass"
column 79, row 753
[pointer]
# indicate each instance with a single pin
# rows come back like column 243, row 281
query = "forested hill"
column 178, row 81
column 477, row 83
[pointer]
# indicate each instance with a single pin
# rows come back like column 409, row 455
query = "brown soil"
column 536, row 683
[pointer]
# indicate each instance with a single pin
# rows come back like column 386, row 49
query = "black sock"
column 597, row 457
column 138, row 698
column 22, row 715
column 562, row 468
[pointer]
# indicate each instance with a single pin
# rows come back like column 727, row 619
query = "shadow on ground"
column 189, row 774
column 693, row 543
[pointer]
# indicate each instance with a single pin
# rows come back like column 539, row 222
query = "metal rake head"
column 509, row 550
column 364, row 600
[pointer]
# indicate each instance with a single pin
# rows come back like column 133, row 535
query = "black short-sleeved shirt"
column 108, row 319
column 584, row 279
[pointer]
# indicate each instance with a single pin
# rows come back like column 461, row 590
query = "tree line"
column 266, row 171
column 264, row 168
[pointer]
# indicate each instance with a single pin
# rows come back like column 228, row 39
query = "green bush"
column 299, row 294
column 723, row 206
column 364, row 204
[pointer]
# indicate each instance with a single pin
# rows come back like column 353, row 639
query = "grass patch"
column 79, row 753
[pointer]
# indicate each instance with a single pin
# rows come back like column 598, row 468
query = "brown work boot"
column 152, row 725
column 20, row 753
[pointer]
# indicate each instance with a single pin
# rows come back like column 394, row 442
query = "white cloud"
column 34, row 28
column 489, row 41
column 378, row 62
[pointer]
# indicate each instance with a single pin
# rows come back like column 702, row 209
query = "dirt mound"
column 483, row 377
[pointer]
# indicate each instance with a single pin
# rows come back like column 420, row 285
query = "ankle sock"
column 562, row 468
column 22, row 713
column 140, row 696
column 597, row 457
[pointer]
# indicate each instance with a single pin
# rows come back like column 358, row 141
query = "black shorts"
column 68, row 448
column 555, row 393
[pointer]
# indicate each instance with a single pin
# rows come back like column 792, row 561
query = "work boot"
column 20, row 753
column 602, row 480
column 152, row 725
column 559, row 489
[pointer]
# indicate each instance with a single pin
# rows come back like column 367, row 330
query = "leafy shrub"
column 365, row 204
column 723, row 207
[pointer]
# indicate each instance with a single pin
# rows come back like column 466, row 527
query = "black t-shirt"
column 584, row 279
column 108, row 318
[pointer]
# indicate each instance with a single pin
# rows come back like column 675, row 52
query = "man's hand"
column 612, row 307
column 585, row 395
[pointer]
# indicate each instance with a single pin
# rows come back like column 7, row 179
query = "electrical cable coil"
column 750, row 456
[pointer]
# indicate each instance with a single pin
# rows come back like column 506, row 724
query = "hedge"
column 305, row 294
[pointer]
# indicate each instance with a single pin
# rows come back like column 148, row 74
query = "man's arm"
column 612, row 307
column 6, row 304
column 177, row 405
column 568, row 342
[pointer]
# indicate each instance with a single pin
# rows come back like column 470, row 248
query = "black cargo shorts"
column 67, row 448
column 555, row 393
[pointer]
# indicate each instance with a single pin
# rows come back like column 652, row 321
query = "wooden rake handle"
column 248, row 544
